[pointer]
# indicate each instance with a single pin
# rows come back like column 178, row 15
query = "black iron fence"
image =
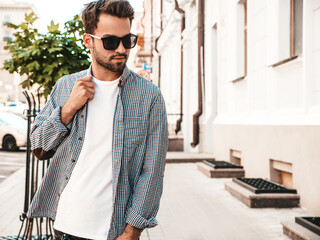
column 33, row 228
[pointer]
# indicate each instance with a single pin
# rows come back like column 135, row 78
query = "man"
column 105, row 129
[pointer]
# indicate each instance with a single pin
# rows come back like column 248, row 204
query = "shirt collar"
column 123, row 77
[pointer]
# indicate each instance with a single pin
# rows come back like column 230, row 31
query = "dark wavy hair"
column 118, row 8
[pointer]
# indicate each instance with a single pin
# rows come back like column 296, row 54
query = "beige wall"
column 298, row 145
column 273, row 112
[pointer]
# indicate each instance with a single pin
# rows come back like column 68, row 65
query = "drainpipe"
column 182, row 13
column 196, row 116
column 156, row 43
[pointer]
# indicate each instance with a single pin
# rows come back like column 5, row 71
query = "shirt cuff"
column 137, row 221
column 56, row 120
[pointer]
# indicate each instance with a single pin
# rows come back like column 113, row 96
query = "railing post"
column 31, row 180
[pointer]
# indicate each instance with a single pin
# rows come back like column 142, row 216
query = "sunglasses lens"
column 129, row 41
column 111, row 43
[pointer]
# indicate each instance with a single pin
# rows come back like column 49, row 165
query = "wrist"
column 67, row 113
column 68, row 109
column 132, row 232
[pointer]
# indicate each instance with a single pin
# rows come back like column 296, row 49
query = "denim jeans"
column 64, row 236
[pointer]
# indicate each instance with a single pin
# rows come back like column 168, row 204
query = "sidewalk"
column 11, row 202
column 193, row 207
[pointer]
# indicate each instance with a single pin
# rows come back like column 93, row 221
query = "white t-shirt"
column 85, row 205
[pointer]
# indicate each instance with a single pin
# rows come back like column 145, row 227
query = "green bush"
column 44, row 58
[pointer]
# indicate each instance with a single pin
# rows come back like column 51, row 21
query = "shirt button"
column 80, row 138
column 81, row 116
column 73, row 160
column 67, row 178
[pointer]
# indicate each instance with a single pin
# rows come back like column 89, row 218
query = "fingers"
column 84, row 88
column 85, row 83
column 90, row 97
column 85, row 79
column 90, row 89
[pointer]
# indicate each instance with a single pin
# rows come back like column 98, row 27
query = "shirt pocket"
column 132, row 132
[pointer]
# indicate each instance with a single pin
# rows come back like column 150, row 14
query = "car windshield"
column 13, row 120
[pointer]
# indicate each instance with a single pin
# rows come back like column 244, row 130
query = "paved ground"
column 11, row 162
column 193, row 207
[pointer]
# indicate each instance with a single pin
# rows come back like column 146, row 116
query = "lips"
column 118, row 59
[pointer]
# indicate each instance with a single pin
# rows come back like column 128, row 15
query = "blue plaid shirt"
column 139, row 147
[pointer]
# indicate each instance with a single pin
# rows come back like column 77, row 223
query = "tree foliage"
column 44, row 58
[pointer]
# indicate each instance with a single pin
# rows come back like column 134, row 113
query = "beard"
column 106, row 61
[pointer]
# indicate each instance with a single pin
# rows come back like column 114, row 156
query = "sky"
column 63, row 10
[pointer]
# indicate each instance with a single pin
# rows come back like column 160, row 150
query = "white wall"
column 273, row 113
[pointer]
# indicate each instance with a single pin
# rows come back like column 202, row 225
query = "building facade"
column 13, row 12
column 245, row 76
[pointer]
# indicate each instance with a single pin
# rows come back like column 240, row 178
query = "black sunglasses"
column 112, row 42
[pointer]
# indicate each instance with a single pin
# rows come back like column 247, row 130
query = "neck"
column 104, row 74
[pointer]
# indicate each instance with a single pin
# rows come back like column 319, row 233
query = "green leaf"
column 52, row 28
column 44, row 58
column 24, row 55
column 57, row 49
column 30, row 17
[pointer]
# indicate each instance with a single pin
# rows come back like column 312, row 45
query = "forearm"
column 67, row 114
column 131, row 233
column 146, row 200
column 47, row 133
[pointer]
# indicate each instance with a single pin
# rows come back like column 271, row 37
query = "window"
column 6, row 20
column 296, row 7
column 7, row 37
column 285, row 31
column 239, row 42
column 245, row 37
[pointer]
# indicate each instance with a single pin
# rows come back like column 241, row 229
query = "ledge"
column 284, row 61
column 297, row 232
column 221, row 172
column 267, row 200
column 238, row 79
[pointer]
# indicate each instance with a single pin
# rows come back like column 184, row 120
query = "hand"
column 82, row 91
column 130, row 233
column 124, row 236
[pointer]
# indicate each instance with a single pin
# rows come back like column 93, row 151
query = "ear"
column 87, row 39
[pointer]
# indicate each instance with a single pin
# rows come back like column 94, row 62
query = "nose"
column 120, row 48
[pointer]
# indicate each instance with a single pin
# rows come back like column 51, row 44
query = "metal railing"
column 35, row 171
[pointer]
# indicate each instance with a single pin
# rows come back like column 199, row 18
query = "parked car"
column 17, row 108
column 13, row 131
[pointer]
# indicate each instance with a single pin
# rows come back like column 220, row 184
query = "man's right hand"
column 83, row 90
